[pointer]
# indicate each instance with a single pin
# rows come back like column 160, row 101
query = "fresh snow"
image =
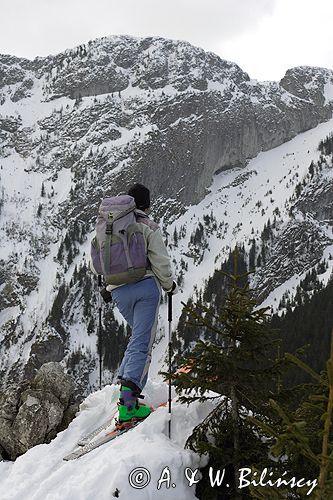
column 41, row 473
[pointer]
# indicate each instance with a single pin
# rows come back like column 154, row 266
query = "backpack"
column 118, row 251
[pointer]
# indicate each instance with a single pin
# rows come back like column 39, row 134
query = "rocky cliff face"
column 90, row 121
column 187, row 113
column 33, row 412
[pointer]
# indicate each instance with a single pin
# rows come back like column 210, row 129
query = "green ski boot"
column 129, row 407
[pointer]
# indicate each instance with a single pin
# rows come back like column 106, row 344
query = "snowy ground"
column 41, row 473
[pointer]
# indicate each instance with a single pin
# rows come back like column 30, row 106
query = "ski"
column 88, row 437
column 83, row 450
column 92, row 444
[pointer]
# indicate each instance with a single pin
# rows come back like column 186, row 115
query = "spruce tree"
column 304, row 437
column 252, row 255
column 239, row 371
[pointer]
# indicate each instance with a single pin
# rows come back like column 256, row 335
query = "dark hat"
column 141, row 195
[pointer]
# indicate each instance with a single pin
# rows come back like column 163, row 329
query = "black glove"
column 107, row 297
column 174, row 289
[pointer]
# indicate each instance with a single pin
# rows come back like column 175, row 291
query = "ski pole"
column 170, row 355
column 100, row 329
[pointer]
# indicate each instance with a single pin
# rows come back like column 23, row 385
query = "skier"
column 138, row 302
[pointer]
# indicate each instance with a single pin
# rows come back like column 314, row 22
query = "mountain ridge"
column 190, row 117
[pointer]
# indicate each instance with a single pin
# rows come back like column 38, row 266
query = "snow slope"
column 233, row 199
column 41, row 473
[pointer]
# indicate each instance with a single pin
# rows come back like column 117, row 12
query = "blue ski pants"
column 138, row 303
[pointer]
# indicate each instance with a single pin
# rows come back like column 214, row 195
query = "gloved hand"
column 174, row 289
column 107, row 297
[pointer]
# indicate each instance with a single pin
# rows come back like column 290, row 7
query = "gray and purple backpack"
column 118, row 251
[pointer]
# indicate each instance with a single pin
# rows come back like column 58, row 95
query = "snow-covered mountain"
column 225, row 157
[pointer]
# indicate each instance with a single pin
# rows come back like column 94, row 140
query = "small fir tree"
column 241, row 369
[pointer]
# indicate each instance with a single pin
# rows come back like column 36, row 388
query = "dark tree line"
column 309, row 323
column 214, row 293
column 326, row 145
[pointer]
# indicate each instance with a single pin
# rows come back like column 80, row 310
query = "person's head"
column 141, row 196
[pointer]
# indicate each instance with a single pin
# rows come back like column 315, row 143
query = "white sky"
column 265, row 37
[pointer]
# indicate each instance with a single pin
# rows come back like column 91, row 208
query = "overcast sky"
column 264, row 37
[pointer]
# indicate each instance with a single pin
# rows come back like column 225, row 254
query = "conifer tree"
column 241, row 369
column 175, row 237
column 304, row 438
column 252, row 255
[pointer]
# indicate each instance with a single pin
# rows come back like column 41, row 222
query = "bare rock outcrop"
column 34, row 412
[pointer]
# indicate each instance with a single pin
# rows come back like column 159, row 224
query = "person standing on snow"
column 138, row 302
